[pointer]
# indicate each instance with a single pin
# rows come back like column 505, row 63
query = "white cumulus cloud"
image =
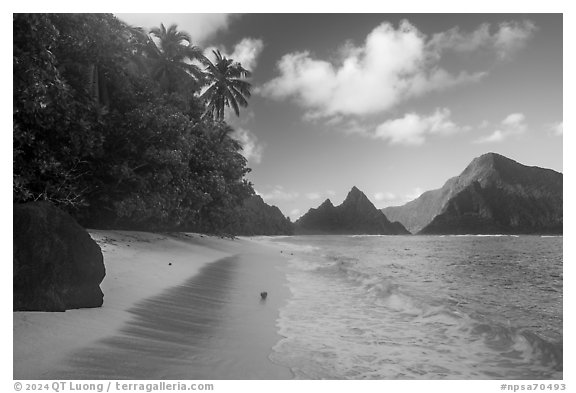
column 412, row 128
column 392, row 65
column 557, row 128
column 514, row 124
column 246, row 52
column 512, row 36
column 251, row 148
column 505, row 40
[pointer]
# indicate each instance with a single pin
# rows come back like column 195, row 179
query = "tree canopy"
column 107, row 124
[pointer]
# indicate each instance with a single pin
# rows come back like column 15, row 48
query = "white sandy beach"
column 199, row 318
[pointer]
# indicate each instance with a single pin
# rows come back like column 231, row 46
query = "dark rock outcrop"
column 356, row 215
column 493, row 195
column 57, row 265
column 256, row 218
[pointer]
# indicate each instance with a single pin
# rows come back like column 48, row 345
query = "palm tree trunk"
column 92, row 74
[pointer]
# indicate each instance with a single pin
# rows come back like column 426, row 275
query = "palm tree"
column 227, row 87
column 170, row 53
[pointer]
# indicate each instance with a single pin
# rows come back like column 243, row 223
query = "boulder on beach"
column 57, row 265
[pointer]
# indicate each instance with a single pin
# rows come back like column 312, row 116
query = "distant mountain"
column 494, row 194
column 356, row 215
column 256, row 218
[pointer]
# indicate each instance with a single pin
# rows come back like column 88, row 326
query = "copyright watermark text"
column 109, row 386
column 532, row 387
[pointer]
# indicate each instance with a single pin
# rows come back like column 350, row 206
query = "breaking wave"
column 372, row 311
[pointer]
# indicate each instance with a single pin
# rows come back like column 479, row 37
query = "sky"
column 394, row 104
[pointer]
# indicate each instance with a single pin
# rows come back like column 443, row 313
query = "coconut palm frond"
column 171, row 52
column 233, row 102
column 227, row 86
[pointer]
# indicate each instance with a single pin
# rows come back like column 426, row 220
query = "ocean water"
column 422, row 307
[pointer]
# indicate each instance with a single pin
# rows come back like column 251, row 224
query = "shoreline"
column 200, row 317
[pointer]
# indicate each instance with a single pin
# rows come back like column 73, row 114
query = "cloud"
column 200, row 26
column 557, row 128
column 513, row 125
column 484, row 124
column 384, row 196
column 458, row 41
column 247, row 116
column 251, row 148
column 278, row 193
column 294, row 213
column 392, row 65
column 496, row 136
column 390, row 199
column 313, row 196
column 505, row 41
column 415, row 193
column 512, row 36
column 246, row 52
column 412, row 128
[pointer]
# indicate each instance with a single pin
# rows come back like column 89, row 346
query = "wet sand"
column 212, row 325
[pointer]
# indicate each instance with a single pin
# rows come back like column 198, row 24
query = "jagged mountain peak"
column 491, row 161
column 355, row 196
column 326, row 203
column 491, row 157
column 493, row 194
column 356, row 215
column 486, row 164
column 493, row 168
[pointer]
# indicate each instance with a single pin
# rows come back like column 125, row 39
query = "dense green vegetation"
column 256, row 218
column 110, row 125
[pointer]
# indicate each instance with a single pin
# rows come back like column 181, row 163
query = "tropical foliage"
column 227, row 86
column 107, row 124
column 170, row 53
